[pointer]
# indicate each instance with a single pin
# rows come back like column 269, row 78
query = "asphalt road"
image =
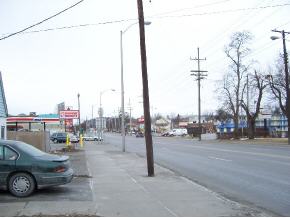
column 255, row 174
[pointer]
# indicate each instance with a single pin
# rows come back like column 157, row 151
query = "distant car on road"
column 139, row 135
column 73, row 138
column 175, row 132
column 58, row 137
column 165, row 134
column 91, row 138
column 24, row 168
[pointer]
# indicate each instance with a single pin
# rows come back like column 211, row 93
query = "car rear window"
column 29, row 149
column 1, row 152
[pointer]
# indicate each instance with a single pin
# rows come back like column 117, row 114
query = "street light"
column 286, row 76
column 122, row 83
column 79, row 108
column 101, row 112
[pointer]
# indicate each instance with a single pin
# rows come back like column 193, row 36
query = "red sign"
column 140, row 120
column 69, row 114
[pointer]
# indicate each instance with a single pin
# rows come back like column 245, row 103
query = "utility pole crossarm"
column 280, row 31
column 197, row 59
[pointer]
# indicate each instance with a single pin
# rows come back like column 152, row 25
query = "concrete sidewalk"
column 118, row 185
column 121, row 187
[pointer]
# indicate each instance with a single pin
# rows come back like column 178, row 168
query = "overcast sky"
column 42, row 69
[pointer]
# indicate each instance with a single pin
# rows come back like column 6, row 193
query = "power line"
column 77, row 26
column 36, row 24
column 133, row 19
column 222, row 12
column 234, row 25
column 282, row 25
column 197, row 6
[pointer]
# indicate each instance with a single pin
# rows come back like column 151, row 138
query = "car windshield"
column 29, row 149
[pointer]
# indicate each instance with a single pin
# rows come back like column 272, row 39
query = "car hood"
column 53, row 157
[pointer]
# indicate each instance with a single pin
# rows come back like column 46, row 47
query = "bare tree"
column 222, row 115
column 234, row 81
column 277, row 85
column 209, row 116
column 257, row 86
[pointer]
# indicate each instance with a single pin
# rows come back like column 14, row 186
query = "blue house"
column 228, row 126
column 3, row 111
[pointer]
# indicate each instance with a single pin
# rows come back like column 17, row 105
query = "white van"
column 178, row 132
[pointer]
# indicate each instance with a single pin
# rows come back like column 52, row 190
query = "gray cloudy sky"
column 44, row 68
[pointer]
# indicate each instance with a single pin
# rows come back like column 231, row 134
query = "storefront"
column 45, row 122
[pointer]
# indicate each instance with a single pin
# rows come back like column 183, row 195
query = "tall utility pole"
column 79, row 108
column 146, row 105
column 286, row 78
column 199, row 76
column 122, row 94
column 130, row 109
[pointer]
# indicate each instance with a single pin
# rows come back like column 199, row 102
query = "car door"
column 8, row 159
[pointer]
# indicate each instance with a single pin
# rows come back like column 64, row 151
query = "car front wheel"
column 21, row 184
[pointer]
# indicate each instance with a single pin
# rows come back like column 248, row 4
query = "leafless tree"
column 234, row 81
column 209, row 116
column 257, row 84
column 277, row 85
column 222, row 115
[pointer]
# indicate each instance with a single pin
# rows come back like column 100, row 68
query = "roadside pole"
column 199, row 76
column 146, row 105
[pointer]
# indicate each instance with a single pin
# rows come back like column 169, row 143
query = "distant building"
column 275, row 125
column 3, row 111
column 162, row 125
column 266, row 126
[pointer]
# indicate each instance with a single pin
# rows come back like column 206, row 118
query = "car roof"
column 3, row 141
column 9, row 142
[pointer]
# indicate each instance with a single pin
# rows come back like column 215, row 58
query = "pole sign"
column 69, row 114
column 100, row 123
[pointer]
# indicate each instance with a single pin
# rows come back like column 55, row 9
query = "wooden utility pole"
column 285, row 55
column 146, row 105
column 199, row 76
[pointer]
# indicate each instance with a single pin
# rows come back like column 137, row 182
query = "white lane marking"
column 91, row 181
column 216, row 158
column 134, row 180
column 243, row 152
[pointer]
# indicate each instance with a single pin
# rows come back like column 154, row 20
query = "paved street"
column 252, row 173
column 112, row 183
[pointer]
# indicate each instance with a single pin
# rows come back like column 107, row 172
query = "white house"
column 3, row 111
